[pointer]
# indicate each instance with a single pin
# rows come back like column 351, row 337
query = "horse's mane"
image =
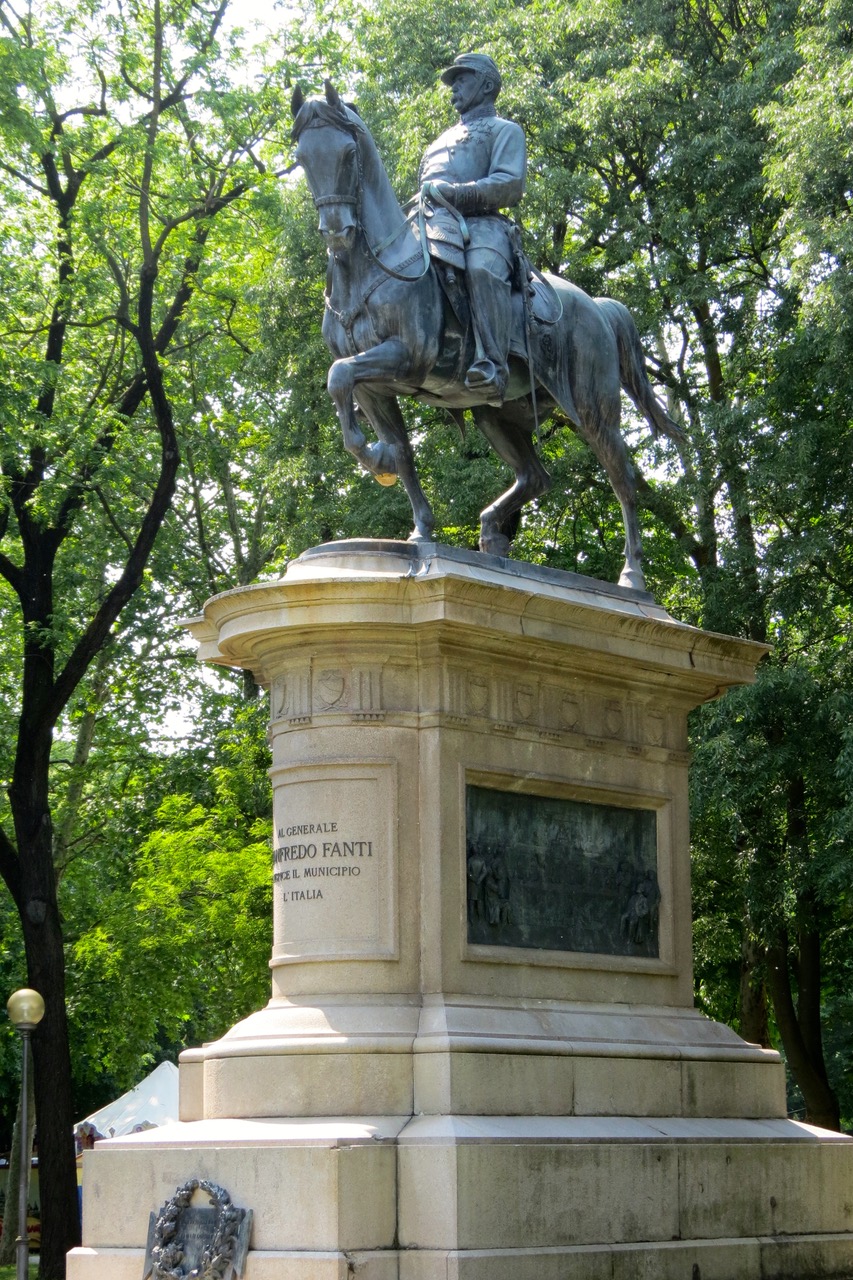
column 316, row 112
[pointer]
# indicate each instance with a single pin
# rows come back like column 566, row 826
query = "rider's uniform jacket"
column 485, row 158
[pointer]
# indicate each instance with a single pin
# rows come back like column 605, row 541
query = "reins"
column 375, row 250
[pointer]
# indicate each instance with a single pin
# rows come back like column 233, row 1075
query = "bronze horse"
column 393, row 331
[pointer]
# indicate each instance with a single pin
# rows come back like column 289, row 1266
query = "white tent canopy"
column 151, row 1103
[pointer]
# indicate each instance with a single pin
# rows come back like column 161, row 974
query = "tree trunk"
column 10, row 1210
column 42, row 932
column 54, row 1107
column 754, row 1025
column 821, row 1103
column 809, row 983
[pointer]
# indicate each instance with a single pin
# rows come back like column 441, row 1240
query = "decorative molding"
column 291, row 696
column 366, row 685
column 655, row 728
column 526, row 702
column 570, row 711
column 614, row 717
column 497, row 698
column 477, row 694
column 330, row 686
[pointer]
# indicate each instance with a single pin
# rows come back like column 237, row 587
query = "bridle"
column 373, row 251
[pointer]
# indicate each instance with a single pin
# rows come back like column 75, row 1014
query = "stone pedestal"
column 481, row 1055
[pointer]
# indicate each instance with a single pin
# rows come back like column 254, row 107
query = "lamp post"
column 26, row 1009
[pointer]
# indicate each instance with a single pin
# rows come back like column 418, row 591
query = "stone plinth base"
column 517, row 1198
column 791, row 1258
column 460, row 1056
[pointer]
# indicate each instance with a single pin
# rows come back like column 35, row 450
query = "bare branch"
column 128, row 541
column 101, row 383
column 231, row 334
column 7, row 24
column 22, row 177
column 137, row 89
column 59, row 121
column 201, row 531
column 12, row 573
column 151, row 134
column 212, row 205
column 258, row 163
column 177, row 92
column 103, row 153
column 10, row 866
column 123, row 314
column 135, row 393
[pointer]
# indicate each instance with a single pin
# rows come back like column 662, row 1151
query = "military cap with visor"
column 479, row 62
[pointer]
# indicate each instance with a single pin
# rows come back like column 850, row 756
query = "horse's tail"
column 632, row 370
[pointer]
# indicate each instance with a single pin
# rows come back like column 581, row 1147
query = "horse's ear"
column 332, row 96
column 296, row 101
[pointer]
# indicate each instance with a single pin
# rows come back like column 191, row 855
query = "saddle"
column 446, row 240
column 534, row 304
column 446, row 233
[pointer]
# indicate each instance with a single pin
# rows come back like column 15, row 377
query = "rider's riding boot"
column 491, row 302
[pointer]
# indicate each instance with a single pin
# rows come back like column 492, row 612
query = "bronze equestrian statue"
column 512, row 346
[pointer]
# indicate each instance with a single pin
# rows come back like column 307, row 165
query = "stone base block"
column 595, row 1085
column 127, row 1264
column 313, row 1185
column 475, row 1183
column 307, row 1084
column 806, row 1257
column 344, row 1056
column 492, row 1197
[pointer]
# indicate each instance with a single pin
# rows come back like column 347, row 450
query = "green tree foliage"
column 133, row 144
column 179, row 934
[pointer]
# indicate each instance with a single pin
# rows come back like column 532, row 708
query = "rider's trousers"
column 490, row 295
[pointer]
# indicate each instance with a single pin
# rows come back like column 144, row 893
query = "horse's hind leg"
column 383, row 414
column 509, row 430
column 625, row 487
column 607, row 444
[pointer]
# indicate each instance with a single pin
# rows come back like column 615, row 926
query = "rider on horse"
column 475, row 169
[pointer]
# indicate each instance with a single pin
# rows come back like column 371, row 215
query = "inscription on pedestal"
column 316, row 856
column 561, row 875
column 333, row 860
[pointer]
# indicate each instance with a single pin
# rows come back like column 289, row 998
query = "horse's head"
column 327, row 132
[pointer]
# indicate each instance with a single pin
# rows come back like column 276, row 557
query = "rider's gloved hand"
column 444, row 189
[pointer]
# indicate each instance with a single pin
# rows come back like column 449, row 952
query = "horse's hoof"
column 385, row 478
column 632, row 578
column 381, row 461
column 494, row 544
column 418, row 535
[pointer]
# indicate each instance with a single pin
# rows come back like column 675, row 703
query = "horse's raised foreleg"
column 392, row 454
column 343, row 376
column 383, row 414
column 509, row 430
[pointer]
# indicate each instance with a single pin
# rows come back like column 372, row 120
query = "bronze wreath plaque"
column 188, row 1242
